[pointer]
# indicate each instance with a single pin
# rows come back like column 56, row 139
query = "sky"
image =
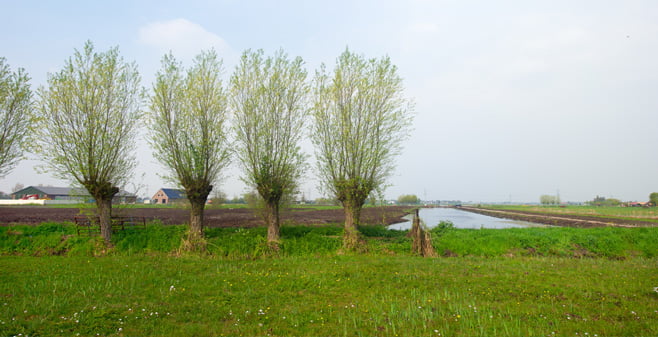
column 513, row 99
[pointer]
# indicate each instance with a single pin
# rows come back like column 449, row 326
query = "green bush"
column 380, row 231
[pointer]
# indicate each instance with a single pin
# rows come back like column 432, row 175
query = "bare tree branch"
column 15, row 115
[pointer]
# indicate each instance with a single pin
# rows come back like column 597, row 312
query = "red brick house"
column 168, row 196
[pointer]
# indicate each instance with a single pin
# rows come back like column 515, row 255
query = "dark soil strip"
column 239, row 217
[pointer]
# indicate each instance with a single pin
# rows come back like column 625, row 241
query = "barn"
column 168, row 196
column 50, row 193
column 67, row 193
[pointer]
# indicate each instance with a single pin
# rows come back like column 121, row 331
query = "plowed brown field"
column 239, row 217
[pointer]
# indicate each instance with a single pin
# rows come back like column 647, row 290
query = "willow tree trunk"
column 197, row 195
column 351, row 231
column 272, row 216
column 104, row 206
column 195, row 234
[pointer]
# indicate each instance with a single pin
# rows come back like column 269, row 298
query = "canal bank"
column 579, row 221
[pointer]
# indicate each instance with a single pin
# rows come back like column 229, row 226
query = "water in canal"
column 462, row 219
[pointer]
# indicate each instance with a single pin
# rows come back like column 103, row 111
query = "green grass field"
column 327, row 296
column 650, row 213
column 511, row 282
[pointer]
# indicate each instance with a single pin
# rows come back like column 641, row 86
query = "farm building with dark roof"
column 50, row 192
column 67, row 193
column 168, row 196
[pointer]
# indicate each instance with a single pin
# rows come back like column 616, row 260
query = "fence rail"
column 91, row 225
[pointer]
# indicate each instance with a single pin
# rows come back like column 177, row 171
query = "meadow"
column 648, row 213
column 511, row 282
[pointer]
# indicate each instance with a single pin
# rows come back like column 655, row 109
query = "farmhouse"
column 67, row 193
column 168, row 196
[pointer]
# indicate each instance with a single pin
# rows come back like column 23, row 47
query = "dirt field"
column 241, row 217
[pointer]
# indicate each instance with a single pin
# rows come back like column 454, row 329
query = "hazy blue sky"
column 514, row 99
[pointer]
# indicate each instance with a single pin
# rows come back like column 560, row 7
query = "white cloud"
column 184, row 38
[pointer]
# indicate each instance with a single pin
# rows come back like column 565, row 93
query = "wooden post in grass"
column 422, row 240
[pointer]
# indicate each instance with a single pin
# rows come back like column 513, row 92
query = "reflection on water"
column 462, row 219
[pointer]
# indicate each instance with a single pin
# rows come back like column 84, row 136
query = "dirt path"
column 561, row 220
column 239, row 217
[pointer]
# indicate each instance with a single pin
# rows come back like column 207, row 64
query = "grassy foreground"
column 329, row 296
column 515, row 282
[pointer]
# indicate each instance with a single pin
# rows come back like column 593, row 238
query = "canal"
column 462, row 219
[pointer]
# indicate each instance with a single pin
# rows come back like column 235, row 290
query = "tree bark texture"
column 104, row 207
column 197, row 196
column 351, row 232
column 196, row 218
column 272, row 216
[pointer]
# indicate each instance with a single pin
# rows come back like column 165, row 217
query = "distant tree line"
column 603, row 201
column 408, row 199
column 546, row 199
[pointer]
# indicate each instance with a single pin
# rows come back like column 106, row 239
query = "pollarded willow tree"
column 361, row 119
column 269, row 96
column 15, row 111
column 88, row 120
column 187, row 131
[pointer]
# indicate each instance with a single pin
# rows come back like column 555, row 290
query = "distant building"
column 168, row 196
column 124, row 197
column 67, row 193
column 638, row 204
column 50, row 193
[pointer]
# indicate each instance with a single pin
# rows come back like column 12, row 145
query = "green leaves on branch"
column 15, row 115
column 188, row 132
column 268, row 97
column 88, row 119
column 353, row 191
column 188, row 123
column 361, row 119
